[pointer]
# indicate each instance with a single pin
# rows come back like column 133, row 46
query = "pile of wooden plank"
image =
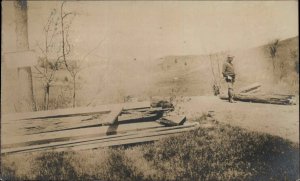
column 89, row 128
column 252, row 94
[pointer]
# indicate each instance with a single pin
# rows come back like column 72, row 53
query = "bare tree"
column 273, row 47
column 73, row 66
column 295, row 57
column 216, row 76
column 49, row 62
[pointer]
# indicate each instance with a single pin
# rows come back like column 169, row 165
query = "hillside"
column 193, row 74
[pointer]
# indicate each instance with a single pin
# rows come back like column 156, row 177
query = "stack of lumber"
column 84, row 128
column 133, row 137
column 249, row 94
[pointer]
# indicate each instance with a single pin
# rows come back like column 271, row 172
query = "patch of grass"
column 216, row 152
column 54, row 166
column 223, row 152
column 120, row 167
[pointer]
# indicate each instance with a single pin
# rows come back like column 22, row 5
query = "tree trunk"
column 47, row 96
column 273, row 61
column 26, row 100
column 74, row 91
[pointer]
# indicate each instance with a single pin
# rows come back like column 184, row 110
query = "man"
column 229, row 75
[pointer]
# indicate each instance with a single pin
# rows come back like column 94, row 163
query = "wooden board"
column 126, row 119
column 172, row 120
column 56, row 113
column 35, row 126
column 104, row 109
column 141, row 115
column 132, row 137
column 250, row 88
column 7, row 141
column 112, row 117
column 255, row 91
column 150, row 110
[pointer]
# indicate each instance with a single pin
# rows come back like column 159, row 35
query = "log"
column 172, row 120
column 250, row 88
column 263, row 98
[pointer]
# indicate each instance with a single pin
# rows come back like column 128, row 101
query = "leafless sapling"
column 49, row 61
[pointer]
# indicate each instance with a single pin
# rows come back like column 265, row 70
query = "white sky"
column 148, row 30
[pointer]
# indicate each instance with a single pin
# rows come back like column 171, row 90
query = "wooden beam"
column 127, row 138
column 134, row 139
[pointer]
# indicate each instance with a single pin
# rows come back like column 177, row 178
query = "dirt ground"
column 278, row 120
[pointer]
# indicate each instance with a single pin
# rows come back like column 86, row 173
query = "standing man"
column 229, row 75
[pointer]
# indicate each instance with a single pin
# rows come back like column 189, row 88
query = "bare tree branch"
column 100, row 43
column 66, row 14
column 38, row 45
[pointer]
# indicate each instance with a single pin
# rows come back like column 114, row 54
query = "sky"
column 148, row 30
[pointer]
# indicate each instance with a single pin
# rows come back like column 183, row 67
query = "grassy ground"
column 215, row 151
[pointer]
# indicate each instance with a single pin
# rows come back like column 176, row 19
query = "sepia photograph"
column 149, row 90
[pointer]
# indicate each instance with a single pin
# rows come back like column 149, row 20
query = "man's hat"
column 230, row 56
